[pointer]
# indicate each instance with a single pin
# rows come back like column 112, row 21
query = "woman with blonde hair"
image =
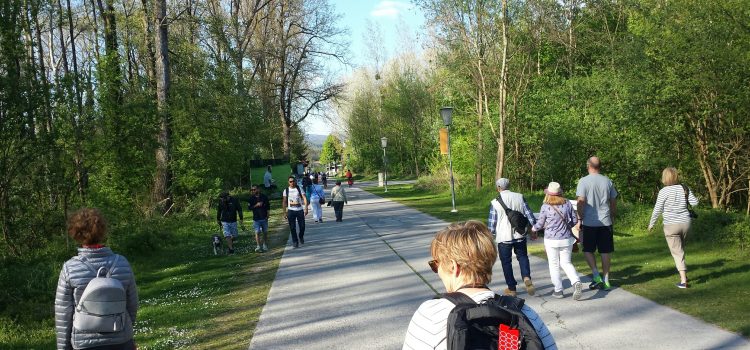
column 672, row 204
column 556, row 218
column 462, row 255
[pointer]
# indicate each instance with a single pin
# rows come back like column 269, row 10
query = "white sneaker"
column 258, row 249
column 577, row 290
column 265, row 248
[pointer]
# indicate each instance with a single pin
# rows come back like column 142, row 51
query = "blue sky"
column 354, row 16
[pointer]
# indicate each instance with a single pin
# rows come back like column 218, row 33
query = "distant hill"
column 315, row 144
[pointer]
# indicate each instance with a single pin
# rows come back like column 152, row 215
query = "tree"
column 331, row 151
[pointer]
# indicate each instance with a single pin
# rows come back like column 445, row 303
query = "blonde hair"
column 669, row 176
column 471, row 246
column 554, row 200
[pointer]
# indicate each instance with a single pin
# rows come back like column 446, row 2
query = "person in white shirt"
column 295, row 204
column 268, row 179
column 672, row 204
column 463, row 255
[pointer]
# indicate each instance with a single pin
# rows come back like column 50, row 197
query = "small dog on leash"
column 216, row 243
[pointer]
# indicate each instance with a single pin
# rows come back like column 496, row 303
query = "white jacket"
column 503, row 231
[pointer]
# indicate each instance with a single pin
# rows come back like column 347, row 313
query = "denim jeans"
column 296, row 217
column 505, row 250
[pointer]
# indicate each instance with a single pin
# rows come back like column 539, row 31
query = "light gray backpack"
column 102, row 306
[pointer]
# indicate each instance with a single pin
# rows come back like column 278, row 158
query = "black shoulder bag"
column 517, row 220
column 690, row 210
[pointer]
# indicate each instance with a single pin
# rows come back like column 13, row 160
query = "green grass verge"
column 189, row 298
column 719, row 272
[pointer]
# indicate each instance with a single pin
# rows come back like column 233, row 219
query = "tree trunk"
column 480, row 144
column 63, row 53
column 162, row 182
column 500, row 158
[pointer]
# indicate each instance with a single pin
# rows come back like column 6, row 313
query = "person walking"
column 260, row 206
column 462, row 256
column 557, row 219
column 268, row 182
column 226, row 215
column 324, row 177
column 295, row 206
column 317, row 198
column 597, row 206
column 509, row 237
column 338, row 199
column 349, row 179
column 88, row 227
column 672, row 204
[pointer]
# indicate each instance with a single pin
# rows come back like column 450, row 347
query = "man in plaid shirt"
column 508, row 240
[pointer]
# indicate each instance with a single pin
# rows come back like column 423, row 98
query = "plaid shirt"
column 492, row 220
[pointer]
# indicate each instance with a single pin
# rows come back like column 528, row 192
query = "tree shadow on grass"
column 632, row 274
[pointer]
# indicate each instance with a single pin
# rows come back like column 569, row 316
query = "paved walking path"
column 355, row 285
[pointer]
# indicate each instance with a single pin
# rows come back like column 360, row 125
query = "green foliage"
column 332, row 150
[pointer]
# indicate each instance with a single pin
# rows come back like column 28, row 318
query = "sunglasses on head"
column 433, row 265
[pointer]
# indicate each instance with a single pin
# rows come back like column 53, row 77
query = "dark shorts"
column 599, row 238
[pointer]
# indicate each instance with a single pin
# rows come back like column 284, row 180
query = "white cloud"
column 388, row 8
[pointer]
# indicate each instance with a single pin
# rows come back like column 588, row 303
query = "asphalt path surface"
column 355, row 285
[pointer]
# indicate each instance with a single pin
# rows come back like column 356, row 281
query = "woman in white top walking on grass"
column 673, row 204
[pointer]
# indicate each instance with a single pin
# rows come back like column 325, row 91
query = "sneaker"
column 606, row 285
column 597, row 283
column 321, row 220
column 316, row 221
column 258, row 249
column 577, row 290
column 302, row 241
column 265, row 248
column 507, row 291
column 296, row 245
column 231, row 251
column 682, row 285
column 558, row 295
column 529, row 287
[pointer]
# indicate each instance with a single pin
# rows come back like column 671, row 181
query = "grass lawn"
column 719, row 273
column 189, row 298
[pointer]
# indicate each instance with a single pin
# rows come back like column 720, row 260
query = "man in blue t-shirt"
column 260, row 206
column 596, row 210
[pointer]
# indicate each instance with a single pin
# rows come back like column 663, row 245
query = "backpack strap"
column 88, row 264
column 113, row 266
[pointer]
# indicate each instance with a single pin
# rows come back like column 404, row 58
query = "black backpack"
column 517, row 220
column 477, row 326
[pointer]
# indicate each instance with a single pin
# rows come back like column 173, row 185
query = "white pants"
column 317, row 209
column 560, row 257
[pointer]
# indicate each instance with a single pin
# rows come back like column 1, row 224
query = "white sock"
column 606, row 278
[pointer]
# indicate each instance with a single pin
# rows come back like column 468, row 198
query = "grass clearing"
column 719, row 272
column 189, row 298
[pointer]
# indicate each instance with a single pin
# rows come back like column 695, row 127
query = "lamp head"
column 384, row 141
column 447, row 114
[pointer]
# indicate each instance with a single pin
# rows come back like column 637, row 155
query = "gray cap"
column 502, row 183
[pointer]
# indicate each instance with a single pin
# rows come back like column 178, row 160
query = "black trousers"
column 338, row 208
column 296, row 217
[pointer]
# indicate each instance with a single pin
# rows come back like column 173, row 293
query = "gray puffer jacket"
column 74, row 278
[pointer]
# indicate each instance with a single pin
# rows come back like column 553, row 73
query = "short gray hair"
column 502, row 183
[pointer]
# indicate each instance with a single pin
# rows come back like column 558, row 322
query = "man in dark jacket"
column 260, row 206
column 226, row 216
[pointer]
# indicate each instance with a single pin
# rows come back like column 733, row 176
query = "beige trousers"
column 675, row 235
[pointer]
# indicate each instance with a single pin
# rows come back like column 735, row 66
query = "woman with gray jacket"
column 557, row 219
column 88, row 227
column 338, row 198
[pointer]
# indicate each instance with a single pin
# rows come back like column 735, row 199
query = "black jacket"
column 260, row 213
column 228, row 209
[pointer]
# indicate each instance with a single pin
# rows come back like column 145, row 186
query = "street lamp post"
column 384, row 143
column 447, row 114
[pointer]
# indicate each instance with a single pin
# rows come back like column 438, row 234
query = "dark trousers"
column 296, row 217
column 505, row 250
column 338, row 208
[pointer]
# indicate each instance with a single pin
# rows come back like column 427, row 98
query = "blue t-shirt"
column 598, row 190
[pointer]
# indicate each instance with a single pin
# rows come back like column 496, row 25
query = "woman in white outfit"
column 557, row 219
column 672, row 204
column 316, row 194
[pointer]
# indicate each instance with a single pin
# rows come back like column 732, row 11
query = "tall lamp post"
column 384, row 143
column 447, row 114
